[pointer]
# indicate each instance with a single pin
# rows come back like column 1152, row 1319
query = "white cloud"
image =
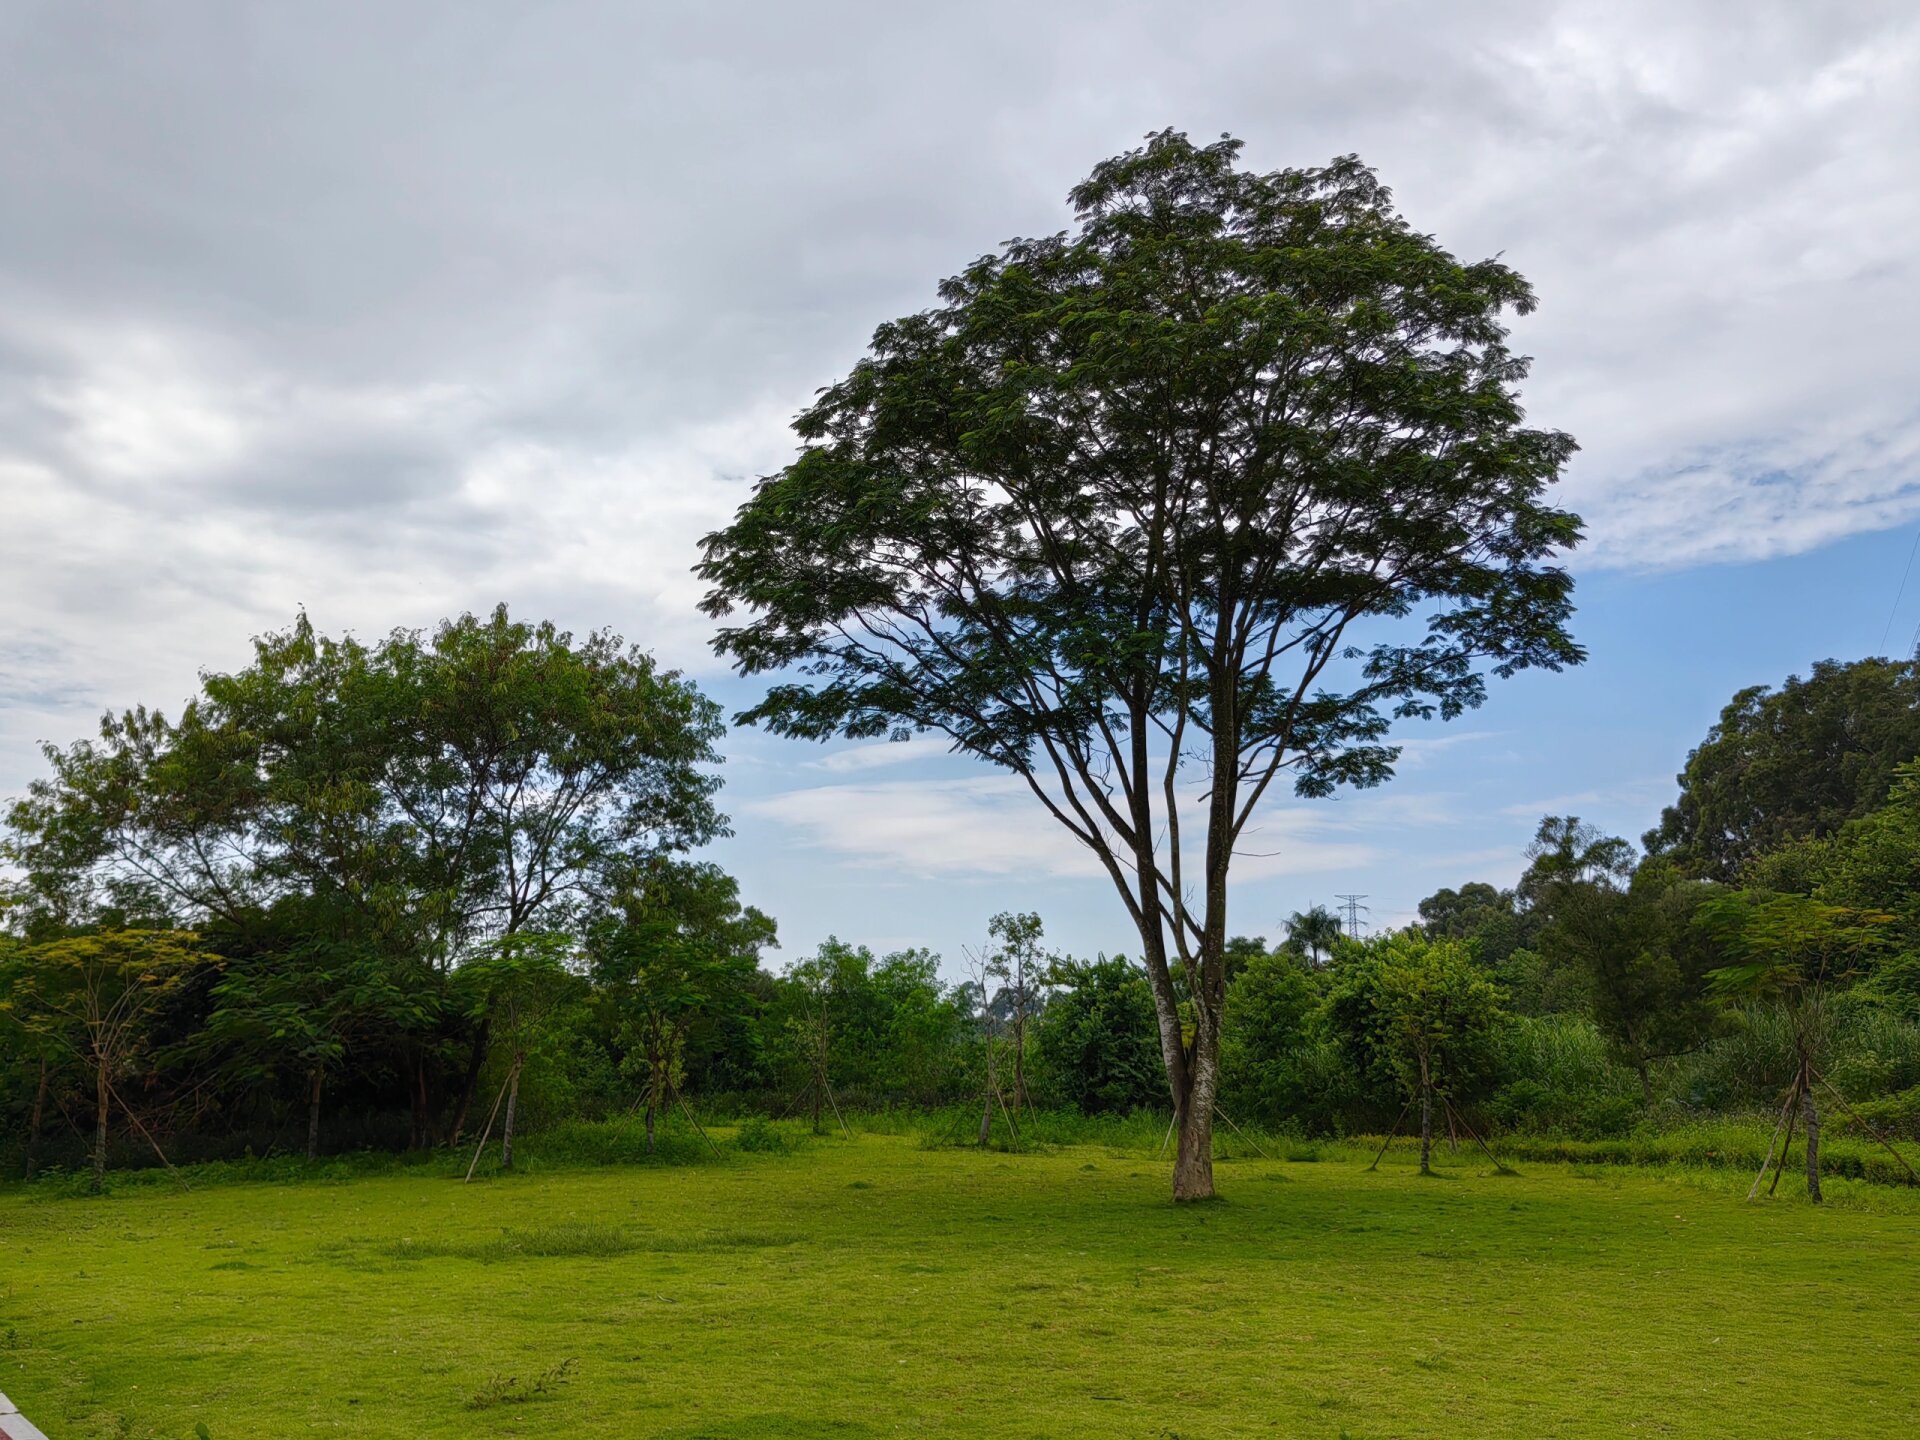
column 880, row 755
column 395, row 311
column 991, row 825
column 979, row 826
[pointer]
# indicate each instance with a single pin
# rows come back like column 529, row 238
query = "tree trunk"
column 33, row 1125
column 1811, row 1113
column 1193, row 1164
column 429, row 1132
column 1019, row 1062
column 1646, row 1083
column 649, row 1124
column 100, row 1126
column 476, row 1058
column 417, row 1101
column 819, row 1085
column 1426, row 1129
column 313, row 1115
column 513, row 1100
column 986, row 1122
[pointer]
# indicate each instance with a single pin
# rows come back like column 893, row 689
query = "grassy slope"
column 870, row 1287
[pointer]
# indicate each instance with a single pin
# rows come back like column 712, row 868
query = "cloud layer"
column 392, row 311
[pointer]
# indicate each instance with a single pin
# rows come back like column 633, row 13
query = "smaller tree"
column 95, row 994
column 300, row 1010
column 1023, row 972
column 1423, row 1013
column 1269, row 1006
column 1793, row 952
column 1313, row 934
column 810, row 1024
column 513, row 987
column 679, row 948
column 22, row 1043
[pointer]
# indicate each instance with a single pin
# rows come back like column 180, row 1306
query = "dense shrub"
column 1264, row 1065
column 1557, row 1075
column 1097, row 1045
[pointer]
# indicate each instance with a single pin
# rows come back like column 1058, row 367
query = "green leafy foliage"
column 1419, row 1013
column 1791, row 764
column 1096, row 1045
column 1331, row 516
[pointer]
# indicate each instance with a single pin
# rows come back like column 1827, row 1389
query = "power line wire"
column 1900, row 595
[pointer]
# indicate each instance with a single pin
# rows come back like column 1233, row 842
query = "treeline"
column 392, row 895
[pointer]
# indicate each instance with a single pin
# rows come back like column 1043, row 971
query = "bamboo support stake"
column 1882, row 1140
column 1390, row 1134
column 1779, row 1125
column 1786, row 1146
column 687, row 1110
column 1242, row 1134
column 127, row 1110
column 1500, row 1166
column 484, row 1134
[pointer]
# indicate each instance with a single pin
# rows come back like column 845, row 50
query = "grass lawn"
column 871, row 1287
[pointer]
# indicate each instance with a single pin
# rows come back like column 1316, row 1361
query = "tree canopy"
column 1789, row 764
column 1195, row 498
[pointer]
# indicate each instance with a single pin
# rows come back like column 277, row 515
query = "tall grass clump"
column 1559, row 1076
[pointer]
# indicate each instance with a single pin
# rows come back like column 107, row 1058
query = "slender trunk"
column 1811, row 1113
column 416, row 1101
column 101, row 1092
column 1426, row 1128
column 649, row 1125
column 1193, row 1162
column 33, row 1125
column 476, row 1058
column 1646, row 1083
column 1019, row 1061
column 986, row 1121
column 513, row 1100
column 313, row 1115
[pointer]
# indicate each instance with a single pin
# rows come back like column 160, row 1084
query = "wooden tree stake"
column 486, row 1132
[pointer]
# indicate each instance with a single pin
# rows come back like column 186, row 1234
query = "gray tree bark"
column 33, row 1125
column 313, row 1115
column 513, row 1100
column 102, row 1092
column 1193, row 1164
column 1810, row 1112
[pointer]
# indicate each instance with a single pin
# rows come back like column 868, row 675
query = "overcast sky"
column 392, row 311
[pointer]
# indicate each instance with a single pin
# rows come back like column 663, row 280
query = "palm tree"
column 1313, row 933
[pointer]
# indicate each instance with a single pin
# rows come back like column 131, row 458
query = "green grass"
column 884, row 1286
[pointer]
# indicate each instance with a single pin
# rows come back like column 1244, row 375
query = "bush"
column 1557, row 1075
column 1097, row 1044
column 1893, row 1117
column 760, row 1136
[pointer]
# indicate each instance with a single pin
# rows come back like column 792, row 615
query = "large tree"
column 1198, row 497
column 433, row 795
column 1791, row 764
